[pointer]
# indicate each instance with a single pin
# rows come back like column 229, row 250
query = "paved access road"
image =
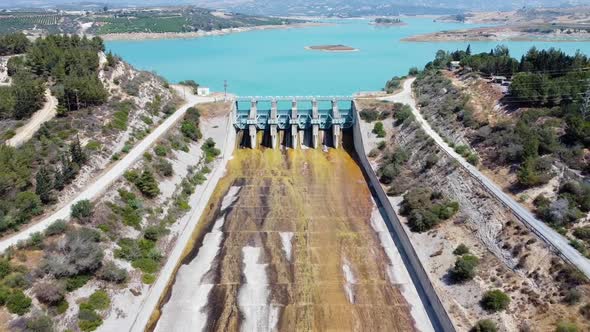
column 546, row 233
column 104, row 180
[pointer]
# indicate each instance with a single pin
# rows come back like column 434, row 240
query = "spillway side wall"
column 438, row 315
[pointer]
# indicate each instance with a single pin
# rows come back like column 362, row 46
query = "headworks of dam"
column 298, row 234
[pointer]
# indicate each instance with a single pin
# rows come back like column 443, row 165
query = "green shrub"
column 495, row 300
column 112, row 273
column 93, row 145
column 190, row 130
column 57, row 228
column 75, row 282
column 121, row 116
column 461, row 250
column 566, row 327
column 4, row 294
column 431, row 161
column 160, row 150
column 147, row 184
column 379, row 130
column 5, row 268
column 17, row 280
column 99, row 300
column 146, row 265
column 485, row 325
column 426, row 209
column 404, row 115
column 369, row 115
column 582, row 233
column 62, row 307
column 473, row 159
column 148, row 278
column 82, row 211
column 572, row 296
column 463, row 150
column 464, row 268
column 39, row 323
column 18, row 303
column 164, row 168
column 88, row 320
column 211, row 152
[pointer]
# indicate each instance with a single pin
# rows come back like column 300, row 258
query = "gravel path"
column 48, row 112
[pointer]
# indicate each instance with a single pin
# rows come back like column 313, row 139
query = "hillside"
column 532, row 139
column 150, row 20
column 79, row 273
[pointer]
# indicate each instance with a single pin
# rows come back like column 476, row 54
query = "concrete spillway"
column 289, row 243
column 304, row 121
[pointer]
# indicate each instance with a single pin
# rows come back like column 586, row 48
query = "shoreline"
column 139, row 36
column 497, row 34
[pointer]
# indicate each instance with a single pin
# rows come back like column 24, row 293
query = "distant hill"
column 321, row 7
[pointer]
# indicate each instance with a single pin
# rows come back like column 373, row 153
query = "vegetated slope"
column 37, row 21
column 163, row 19
column 469, row 243
column 539, row 147
column 104, row 107
column 96, row 268
column 187, row 19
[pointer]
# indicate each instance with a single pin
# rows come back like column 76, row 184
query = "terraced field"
column 291, row 241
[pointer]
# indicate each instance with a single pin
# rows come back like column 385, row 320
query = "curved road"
column 546, row 233
column 104, row 180
column 48, row 112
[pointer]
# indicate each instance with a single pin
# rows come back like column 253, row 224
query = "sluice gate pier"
column 298, row 120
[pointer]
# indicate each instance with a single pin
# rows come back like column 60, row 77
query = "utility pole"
column 224, row 90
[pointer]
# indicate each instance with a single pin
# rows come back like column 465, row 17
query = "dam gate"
column 299, row 121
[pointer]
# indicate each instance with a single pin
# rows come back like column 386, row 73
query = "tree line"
column 11, row 44
column 70, row 63
column 541, row 77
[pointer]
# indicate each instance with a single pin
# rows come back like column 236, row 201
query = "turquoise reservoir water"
column 274, row 62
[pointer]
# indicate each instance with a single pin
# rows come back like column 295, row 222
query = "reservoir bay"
column 275, row 62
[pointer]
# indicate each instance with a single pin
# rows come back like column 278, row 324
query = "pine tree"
column 59, row 181
column 147, row 184
column 468, row 50
column 78, row 154
column 43, row 185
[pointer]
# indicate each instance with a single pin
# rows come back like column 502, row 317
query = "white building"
column 203, row 91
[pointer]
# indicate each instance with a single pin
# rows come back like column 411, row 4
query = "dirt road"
column 48, row 112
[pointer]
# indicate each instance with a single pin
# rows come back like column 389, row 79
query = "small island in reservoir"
column 387, row 21
column 331, row 48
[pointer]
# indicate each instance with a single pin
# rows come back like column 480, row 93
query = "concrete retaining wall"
column 199, row 204
column 436, row 312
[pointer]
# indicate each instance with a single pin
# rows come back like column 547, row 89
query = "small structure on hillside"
column 455, row 65
column 203, row 91
column 499, row 79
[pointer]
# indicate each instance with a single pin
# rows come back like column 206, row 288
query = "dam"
column 296, row 239
column 293, row 121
